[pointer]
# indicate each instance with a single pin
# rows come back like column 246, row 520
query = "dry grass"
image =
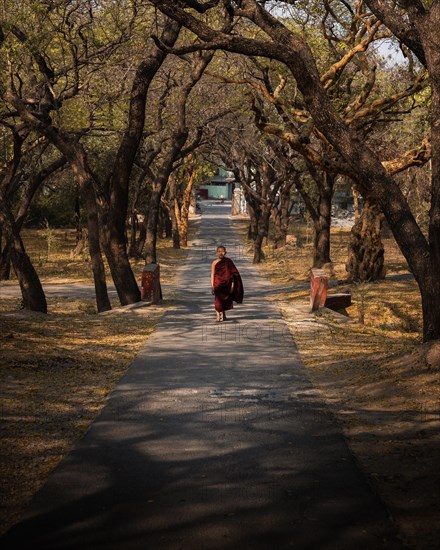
column 58, row 369
column 373, row 376
column 56, row 265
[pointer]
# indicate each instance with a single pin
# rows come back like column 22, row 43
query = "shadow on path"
column 213, row 439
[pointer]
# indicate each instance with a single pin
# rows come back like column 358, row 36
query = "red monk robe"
column 225, row 273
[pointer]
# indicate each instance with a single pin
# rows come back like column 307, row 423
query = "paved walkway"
column 214, row 439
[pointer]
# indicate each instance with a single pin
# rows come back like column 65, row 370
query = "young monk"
column 226, row 284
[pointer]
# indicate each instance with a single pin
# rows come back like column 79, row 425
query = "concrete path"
column 214, row 439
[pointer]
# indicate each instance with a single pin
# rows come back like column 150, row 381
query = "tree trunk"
column 115, row 248
column 254, row 215
column 186, row 201
column 34, row 298
column 365, row 249
column 321, row 242
column 114, row 234
column 164, row 223
column 259, row 255
column 263, row 230
column 5, row 263
column 102, row 299
column 78, row 224
column 133, row 231
column 174, row 212
column 80, row 240
column 141, row 239
column 32, row 292
column 152, row 225
column 282, row 217
column 322, row 225
column 278, row 233
column 285, row 215
column 430, row 288
column 430, row 292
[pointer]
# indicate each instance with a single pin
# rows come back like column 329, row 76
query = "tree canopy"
column 123, row 103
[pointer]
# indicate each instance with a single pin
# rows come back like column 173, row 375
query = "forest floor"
column 58, row 369
column 374, row 375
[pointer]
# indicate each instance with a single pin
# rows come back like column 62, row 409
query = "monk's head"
column 221, row 251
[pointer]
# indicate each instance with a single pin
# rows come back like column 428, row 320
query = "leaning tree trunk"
column 32, row 292
column 365, row 249
column 34, row 298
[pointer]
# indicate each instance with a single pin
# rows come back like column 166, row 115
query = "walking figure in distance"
column 226, row 284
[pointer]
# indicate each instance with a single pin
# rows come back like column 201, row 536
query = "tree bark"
column 186, row 201
column 320, row 213
column 263, row 230
column 102, row 299
column 429, row 32
column 32, row 292
column 285, row 215
column 278, row 236
column 114, row 217
column 365, row 249
column 133, row 233
column 141, row 239
column 152, row 225
column 321, row 242
column 5, row 263
column 253, row 222
column 166, row 221
column 430, row 291
column 174, row 213
column 322, row 226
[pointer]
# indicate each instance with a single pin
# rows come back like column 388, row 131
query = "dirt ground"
column 374, row 376
column 58, row 369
